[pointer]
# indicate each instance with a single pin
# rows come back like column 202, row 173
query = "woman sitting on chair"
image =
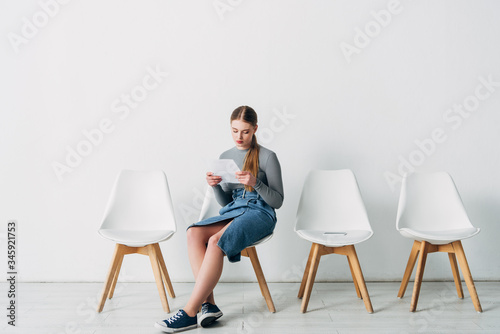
column 248, row 215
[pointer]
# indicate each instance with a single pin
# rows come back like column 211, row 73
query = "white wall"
column 319, row 108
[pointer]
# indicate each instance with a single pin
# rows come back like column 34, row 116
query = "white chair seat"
column 258, row 242
column 336, row 238
column 439, row 237
column 136, row 238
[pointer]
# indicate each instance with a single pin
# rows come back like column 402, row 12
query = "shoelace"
column 204, row 308
column 175, row 317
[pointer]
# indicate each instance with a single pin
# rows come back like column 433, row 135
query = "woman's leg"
column 197, row 239
column 207, row 273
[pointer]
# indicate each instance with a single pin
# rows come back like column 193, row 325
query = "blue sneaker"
column 177, row 323
column 209, row 313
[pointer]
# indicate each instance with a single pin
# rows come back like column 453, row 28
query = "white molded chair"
column 431, row 212
column 211, row 208
column 138, row 216
column 331, row 215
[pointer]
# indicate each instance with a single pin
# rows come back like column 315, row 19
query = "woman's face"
column 242, row 133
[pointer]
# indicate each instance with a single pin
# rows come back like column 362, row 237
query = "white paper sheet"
column 225, row 168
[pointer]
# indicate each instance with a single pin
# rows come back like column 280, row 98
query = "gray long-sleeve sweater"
column 269, row 182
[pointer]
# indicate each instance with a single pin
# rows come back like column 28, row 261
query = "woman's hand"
column 246, row 178
column 212, row 179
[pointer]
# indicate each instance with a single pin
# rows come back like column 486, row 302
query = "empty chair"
column 332, row 216
column 138, row 216
column 431, row 212
column 211, row 208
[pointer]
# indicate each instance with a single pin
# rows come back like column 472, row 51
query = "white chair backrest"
column 331, row 199
column 430, row 201
column 140, row 200
column 210, row 206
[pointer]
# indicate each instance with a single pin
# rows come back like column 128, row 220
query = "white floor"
column 57, row 308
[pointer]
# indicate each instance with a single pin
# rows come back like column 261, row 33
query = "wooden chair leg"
column 311, row 275
column 164, row 272
column 459, row 251
column 153, row 257
column 117, row 255
column 306, row 273
column 355, row 281
column 358, row 274
column 252, row 254
column 115, row 278
column 409, row 268
column 456, row 275
column 245, row 253
column 424, row 245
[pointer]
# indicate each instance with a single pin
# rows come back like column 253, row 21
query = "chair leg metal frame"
column 318, row 250
column 455, row 251
column 251, row 253
column 153, row 251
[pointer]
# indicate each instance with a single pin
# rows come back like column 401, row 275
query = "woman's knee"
column 195, row 234
column 212, row 244
column 213, row 240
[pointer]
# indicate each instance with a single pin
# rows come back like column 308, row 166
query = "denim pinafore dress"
column 253, row 219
